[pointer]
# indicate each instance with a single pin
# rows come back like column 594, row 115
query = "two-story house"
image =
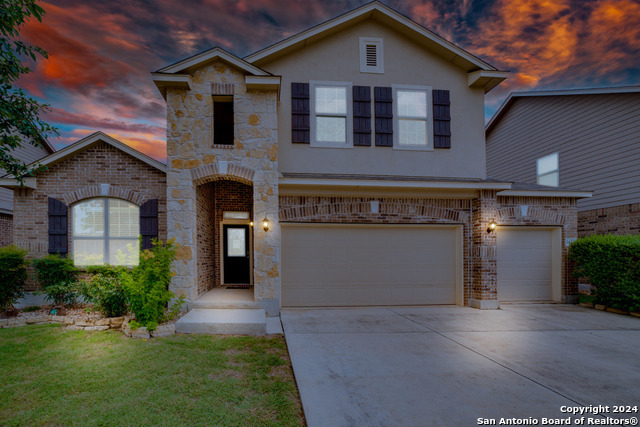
column 576, row 138
column 342, row 166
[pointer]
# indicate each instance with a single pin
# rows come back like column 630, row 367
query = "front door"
column 237, row 264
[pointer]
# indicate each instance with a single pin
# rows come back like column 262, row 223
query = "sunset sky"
column 101, row 52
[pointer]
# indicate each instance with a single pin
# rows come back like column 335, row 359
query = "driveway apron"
column 451, row 366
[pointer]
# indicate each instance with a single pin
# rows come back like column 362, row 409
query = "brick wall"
column 484, row 286
column 6, row 229
column 212, row 200
column 618, row 220
column 80, row 177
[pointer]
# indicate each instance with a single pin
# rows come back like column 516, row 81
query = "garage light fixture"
column 492, row 226
column 265, row 224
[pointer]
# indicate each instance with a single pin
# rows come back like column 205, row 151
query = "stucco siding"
column 596, row 137
column 27, row 153
column 336, row 58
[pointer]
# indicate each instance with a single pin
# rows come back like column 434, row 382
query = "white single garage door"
column 356, row 265
column 528, row 263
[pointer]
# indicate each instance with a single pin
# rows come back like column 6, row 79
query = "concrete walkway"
column 449, row 366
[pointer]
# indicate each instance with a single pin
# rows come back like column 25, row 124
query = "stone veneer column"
column 484, row 293
column 253, row 159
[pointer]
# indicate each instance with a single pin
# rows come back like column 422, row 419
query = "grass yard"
column 53, row 376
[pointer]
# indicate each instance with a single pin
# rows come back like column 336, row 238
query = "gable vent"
column 371, row 59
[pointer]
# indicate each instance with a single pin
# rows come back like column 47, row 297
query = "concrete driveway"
column 449, row 366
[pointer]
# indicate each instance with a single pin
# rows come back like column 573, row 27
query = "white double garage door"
column 392, row 264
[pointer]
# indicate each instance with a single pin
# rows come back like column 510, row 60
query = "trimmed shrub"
column 612, row 264
column 147, row 286
column 105, row 289
column 58, row 278
column 13, row 274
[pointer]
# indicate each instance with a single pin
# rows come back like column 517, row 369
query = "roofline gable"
column 361, row 13
column 217, row 52
column 78, row 146
column 559, row 92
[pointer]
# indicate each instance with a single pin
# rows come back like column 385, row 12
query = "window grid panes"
column 118, row 220
column 412, row 117
column 548, row 170
column 331, row 114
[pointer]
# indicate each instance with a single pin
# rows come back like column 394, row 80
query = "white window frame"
column 554, row 171
column 105, row 238
column 396, row 118
column 364, row 68
column 349, row 114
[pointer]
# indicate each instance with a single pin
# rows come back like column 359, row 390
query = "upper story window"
column 223, row 129
column 330, row 114
column 371, row 55
column 105, row 231
column 548, row 170
column 413, row 118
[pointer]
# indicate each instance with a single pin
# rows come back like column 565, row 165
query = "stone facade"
column 194, row 160
column 618, row 220
column 6, row 229
column 128, row 178
column 479, row 247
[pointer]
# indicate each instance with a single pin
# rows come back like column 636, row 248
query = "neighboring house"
column 27, row 153
column 360, row 144
column 577, row 139
column 92, row 201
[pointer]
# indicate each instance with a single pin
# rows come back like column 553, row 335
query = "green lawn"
column 53, row 376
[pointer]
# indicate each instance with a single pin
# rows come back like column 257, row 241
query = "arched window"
column 105, row 231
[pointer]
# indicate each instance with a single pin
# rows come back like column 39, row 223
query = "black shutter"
column 384, row 116
column 441, row 119
column 57, row 227
column 149, row 222
column 300, row 130
column 362, row 115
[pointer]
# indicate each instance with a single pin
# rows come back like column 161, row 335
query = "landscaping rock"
column 587, row 304
column 85, row 322
column 600, row 307
column 4, row 322
column 75, row 328
column 17, row 321
column 102, row 322
column 141, row 332
column 116, row 322
column 163, row 331
column 37, row 319
column 97, row 328
column 58, row 319
column 616, row 311
column 635, row 314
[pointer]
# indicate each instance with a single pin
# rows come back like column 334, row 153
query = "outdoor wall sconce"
column 250, row 223
column 492, row 226
column 265, row 224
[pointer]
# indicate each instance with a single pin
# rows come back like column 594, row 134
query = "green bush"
column 106, row 291
column 58, row 278
column 13, row 274
column 147, row 285
column 612, row 264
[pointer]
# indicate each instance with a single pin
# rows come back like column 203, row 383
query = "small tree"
column 19, row 114
column 13, row 274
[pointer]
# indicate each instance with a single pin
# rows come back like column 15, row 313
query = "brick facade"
column 618, row 220
column 6, row 229
column 80, row 177
column 212, row 200
column 479, row 247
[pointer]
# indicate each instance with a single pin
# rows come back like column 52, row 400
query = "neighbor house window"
column 412, row 118
column 548, row 173
column 223, row 120
column 105, row 231
column 330, row 114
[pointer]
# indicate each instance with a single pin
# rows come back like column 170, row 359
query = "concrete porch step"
column 248, row 321
column 219, row 298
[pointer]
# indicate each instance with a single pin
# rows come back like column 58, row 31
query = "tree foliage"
column 19, row 114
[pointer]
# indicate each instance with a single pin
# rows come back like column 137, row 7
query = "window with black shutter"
column 300, row 113
column 441, row 119
column 57, row 211
column 362, row 115
column 383, row 97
